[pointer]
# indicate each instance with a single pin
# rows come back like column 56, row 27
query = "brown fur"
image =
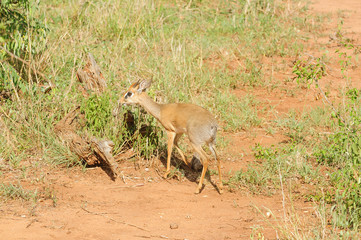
column 178, row 118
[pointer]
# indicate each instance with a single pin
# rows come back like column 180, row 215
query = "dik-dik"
column 178, row 118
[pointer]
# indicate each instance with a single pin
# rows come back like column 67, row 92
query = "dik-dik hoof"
column 199, row 189
column 166, row 175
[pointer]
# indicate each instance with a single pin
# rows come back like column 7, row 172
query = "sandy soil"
column 141, row 205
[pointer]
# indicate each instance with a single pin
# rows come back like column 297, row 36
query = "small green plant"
column 257, row 233
column 97, row 110
column 261, row 152
column 309, row 71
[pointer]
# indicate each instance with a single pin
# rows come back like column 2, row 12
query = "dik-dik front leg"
column 170, row 136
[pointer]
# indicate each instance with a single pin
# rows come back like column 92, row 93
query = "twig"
column 165, row 179
column 283, row 194
column 31, row 222
column 27, row 63
column 311, row 56
column 162, row 236
column 122, row 222
column 132, row 186
column 158, row 236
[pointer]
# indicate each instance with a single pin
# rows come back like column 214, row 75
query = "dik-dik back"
column 191, row 119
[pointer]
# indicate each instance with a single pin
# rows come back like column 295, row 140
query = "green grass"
column 198, row 53
column 16, row 191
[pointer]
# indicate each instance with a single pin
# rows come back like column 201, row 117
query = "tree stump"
column 91, row 76
column 90, row 149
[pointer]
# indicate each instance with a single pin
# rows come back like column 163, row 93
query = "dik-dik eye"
column 128, row 94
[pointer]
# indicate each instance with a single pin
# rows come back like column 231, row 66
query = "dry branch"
column 122, row 222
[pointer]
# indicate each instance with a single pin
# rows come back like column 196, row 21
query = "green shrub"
column 97, row 110
column 22, row 35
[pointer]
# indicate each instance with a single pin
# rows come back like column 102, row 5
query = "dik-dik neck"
column 150, row 106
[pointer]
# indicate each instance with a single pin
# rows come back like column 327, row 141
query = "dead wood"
column 103, row 150
column 91, row 76
column 91, row 150
column 66, row 130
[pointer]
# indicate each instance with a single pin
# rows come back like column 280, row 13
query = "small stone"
column 173, row 226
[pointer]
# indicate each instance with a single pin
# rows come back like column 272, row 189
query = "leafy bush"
column 13, row 21
column 21, row 35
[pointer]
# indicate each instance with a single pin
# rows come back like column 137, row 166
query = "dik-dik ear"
column 144, row 85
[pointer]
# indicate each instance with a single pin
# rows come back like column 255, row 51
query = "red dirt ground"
column 141, row 205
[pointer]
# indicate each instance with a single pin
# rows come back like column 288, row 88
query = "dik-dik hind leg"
column 170, row 136
column 204, row 158
column 177, row 137
column 220, row 185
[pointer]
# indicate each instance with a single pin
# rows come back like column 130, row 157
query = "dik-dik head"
column 134, row 92
column 132, row 95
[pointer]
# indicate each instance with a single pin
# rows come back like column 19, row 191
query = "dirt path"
column 91, row 206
